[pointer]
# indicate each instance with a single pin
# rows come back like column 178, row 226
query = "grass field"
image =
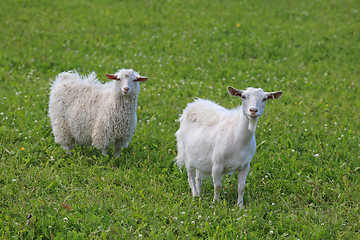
column 304, row 179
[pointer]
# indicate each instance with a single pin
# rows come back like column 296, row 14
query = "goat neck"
column 246, row 127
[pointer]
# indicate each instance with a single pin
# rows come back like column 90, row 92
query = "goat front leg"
column 105, row 150
column 68, row 148
column 241, row 184
column 217, row 174
column 68, row 144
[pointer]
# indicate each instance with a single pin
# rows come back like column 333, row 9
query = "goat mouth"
column 253, row 116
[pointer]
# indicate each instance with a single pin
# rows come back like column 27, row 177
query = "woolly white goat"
column 216, row 141
column 84, row 111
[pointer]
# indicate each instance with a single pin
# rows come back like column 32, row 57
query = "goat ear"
column 234, row 91
column 141, row 79
column 274, row 95
column 111, row 76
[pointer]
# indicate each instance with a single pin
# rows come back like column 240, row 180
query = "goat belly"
column 203, row 165
column 237, row 161
column 234, row 166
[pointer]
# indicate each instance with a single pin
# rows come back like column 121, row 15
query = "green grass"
column 304, row 179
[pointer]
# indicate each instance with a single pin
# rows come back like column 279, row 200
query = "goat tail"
column 180, row 158
column 73, row 75
column 64, row 76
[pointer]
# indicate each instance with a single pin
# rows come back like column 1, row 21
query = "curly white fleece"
column 87, row 112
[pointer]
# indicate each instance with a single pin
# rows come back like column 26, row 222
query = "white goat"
column 84, row 111
column 216, row 141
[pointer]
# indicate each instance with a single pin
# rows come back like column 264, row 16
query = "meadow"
column 304, row 178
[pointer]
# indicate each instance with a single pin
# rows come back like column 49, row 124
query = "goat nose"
column 254, row 110
column 126, row 89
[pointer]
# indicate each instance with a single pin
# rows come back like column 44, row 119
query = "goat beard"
column 252, row 124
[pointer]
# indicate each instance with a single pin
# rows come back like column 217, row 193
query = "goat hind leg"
column 118, row 145
column 191, row 180
column 65, row 139
column 198, row 181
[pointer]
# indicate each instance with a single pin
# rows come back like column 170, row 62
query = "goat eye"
column 264, row 100
column 243, row 97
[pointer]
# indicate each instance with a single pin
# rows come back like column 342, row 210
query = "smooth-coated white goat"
column 86, row 112
column 215, row 141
